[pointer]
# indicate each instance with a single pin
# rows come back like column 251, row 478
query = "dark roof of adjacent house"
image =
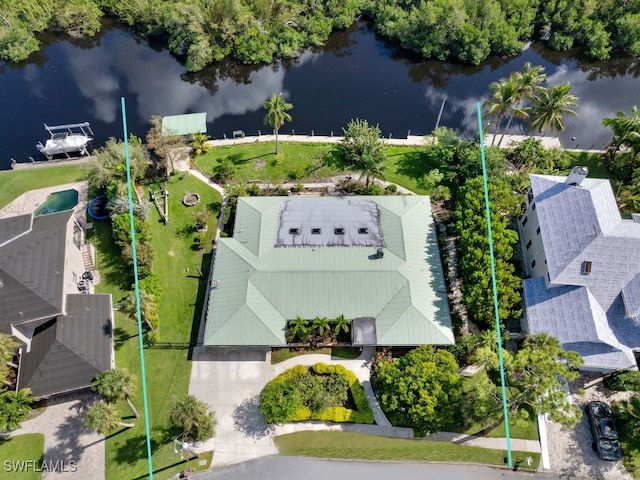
column 68, row 352
column 31, row 266
column 581, row 224
column 63, row 352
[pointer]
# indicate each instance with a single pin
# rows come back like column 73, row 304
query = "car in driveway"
column 603, row 431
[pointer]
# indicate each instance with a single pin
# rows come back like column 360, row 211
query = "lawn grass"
column 281, row 354
column 348, row 445
column 167, row 364
column 295, row 159
column 16, row 182
column 21, row 448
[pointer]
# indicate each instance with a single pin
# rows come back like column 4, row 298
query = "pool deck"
column 29, row 201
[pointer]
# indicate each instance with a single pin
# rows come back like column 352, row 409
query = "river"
column 355, row 75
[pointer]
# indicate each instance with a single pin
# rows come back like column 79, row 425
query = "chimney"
column 577, row 175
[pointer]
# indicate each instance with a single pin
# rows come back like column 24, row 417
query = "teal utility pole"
column 137, row 286
column 495, row 288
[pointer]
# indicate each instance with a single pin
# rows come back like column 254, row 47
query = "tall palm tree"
column 277, row 113
column 104, row 418
column 14, row 407
column 549, row 106
column 193, row 417
column 530, row 81
column 116, row 384
column 505, row 101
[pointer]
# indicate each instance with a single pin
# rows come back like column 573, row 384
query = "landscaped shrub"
column 121, row 230
column 623, row 381
column 300, row 394
column 392, row 187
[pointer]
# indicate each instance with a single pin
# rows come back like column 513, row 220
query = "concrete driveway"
column 570, row 450
column 230, row 381
column 66, row 439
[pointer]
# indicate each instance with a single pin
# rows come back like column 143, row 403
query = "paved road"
column 279, row 467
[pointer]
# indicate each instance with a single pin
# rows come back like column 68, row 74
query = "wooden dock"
column 50, row 163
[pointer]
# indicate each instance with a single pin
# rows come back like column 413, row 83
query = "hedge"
column 279, row 404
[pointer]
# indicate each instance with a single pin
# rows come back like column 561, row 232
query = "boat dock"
column 49, row 163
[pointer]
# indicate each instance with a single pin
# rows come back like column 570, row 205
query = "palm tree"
column 198, row 142
column 104, row 418
column 14, row 407
column 277, row 113
column 116, row 384
column 550, row 106
column 148, row 307
column 193, row 417
column 530, row 81
column 629, row 412
column 341, row 324
column 299, row 329
column 506, row 95
column 321, row 325
column 623, row 151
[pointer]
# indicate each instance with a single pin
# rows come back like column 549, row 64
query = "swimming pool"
column 58, row 202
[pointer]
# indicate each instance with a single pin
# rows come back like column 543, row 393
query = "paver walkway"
column 66, row 439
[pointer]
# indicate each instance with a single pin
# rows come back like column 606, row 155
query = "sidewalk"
column 517, row 444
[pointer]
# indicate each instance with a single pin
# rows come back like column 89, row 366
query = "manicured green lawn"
column 350, row 445
column 16, row 182
column 21, row 448
column 257, row 161
column 167, row 365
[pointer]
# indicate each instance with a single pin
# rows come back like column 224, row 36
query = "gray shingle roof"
column 13, row 227
column 582, row 224
column 68, row 352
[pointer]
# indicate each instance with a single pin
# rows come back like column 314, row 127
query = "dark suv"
column 603, row 430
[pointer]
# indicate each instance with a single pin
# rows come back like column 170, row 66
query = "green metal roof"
column 258, row 287
column 184, row 124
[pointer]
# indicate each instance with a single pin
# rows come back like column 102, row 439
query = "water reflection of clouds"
column 156, row 81
column 95, row 80
column 31, row 74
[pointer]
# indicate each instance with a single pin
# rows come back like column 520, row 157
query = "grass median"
column 348, row 445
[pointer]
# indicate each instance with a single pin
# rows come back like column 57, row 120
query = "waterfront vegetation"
column 349, row 445
column 177, row 264
column 201, row 32
column 23, row 448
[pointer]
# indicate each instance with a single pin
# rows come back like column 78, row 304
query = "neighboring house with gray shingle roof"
column 584, row 260
column 65, row 337
column 318, row 257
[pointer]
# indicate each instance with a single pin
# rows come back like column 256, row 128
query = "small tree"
column 116, row 384
column 341, row 324
column 225, row 170
column 199, row 143
column 277, row 113
column 14, row 408
column 201, row 218
column 321, row 326
column 104, row 418
column 360, row 150
column 192, row 416
column 300, row 329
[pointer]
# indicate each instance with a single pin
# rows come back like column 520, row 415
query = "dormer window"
column 294, row 231
column 586, row 267
column 338, row 231
column 363, row 231
column 524, row 221
column 316, row 231
column 529, row 196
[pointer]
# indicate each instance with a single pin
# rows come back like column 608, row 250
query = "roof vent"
column 294, row 231
column 380, row 252
column 316, row 231
column 577, row 175
column 363, row 231
column 338, row 231
column 586, row 267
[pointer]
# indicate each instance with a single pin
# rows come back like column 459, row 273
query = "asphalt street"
column 279, row 467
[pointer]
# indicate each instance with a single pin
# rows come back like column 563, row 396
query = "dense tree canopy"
column 257, row 31
column 420, row 390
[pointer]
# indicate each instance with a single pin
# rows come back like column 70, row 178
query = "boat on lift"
column 66, row 139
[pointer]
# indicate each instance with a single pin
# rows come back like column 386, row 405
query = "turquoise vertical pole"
column 495, row 288
column 137, row 286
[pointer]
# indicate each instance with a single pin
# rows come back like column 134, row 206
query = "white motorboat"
column 74, row 139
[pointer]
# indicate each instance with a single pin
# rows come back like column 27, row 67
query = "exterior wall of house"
column 73, row 264
column 531, row 241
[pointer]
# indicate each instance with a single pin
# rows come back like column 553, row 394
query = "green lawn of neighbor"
column 19, row 449
column 350, row 445
column 16, row 182
column 167, row 366
column 257, row 161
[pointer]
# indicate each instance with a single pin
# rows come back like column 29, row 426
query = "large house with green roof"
column 373, row 259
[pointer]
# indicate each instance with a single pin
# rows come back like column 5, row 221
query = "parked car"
column 603, row 430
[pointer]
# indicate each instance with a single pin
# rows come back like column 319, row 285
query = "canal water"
column 355, row 75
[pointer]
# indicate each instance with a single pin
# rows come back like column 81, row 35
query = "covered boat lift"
column 66, row 139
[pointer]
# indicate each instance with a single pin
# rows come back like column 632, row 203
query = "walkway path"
column 66, row 439
column 411, row 140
